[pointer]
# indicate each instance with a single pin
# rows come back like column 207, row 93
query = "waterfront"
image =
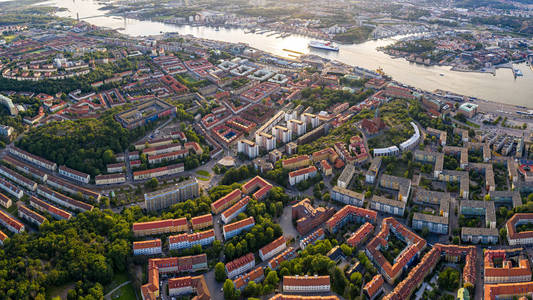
column 502, row 87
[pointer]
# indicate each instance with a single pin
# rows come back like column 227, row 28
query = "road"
column 108, row 295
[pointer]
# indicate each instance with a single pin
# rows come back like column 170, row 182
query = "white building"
column 273, row 248
column 265, row 140
column 150, row 247
column 306, row 284
column 310, row 119
column 248, row 148
column 240, row 265
column 302, row 174
column 412, row 141
column 297, row 126
column 74, row 174
column 282, row 134
column 389, row 151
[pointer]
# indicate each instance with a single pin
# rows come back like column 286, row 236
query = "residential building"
column 317, row 235
column 188, row 240
column 296, row 162
column 479, row 235
column 360, row 235
column 55, row 212
column 387, row 205
column 307, row 217
column 255, row 275
column 522, row 238
column 374, row 287
column 18, row 179
column 347, row 196
column 166, row 197
column 150, row 247
column 5, row 201
column 158, row 172
column 235, row 210
column 240, row 265
column 110, row 179
column 160, row 227
column 302, row 175
column 29, row 215
column 236, row 228
column 348, row 214
column 62, row 199
column 510, row 271
column 401, row 184
column 10, row 223
column 74, row 174
column 34, row 159
column 346, row 176
column 373, row 170
column 226, row 201
column 273, row 248
column 201, row 222
column 306, row 284
column 248, row 148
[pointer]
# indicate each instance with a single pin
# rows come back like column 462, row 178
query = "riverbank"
column 479, row 85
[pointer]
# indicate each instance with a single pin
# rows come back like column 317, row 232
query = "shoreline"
column 474, row 98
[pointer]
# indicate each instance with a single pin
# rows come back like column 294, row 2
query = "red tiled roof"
column 159, row 224
column 228, row 198
column 273, row 245
column 373, row 286
column 305, row 280
column 360, row 234
column 202, row 219
column 302, row 171
column 11, row 221
column 147, row 244
column 230, row 211
column 239, row 224
column 239, row 262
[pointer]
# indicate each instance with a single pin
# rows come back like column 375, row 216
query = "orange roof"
column 507, row 290
column 360, row 234
column 239, row 224
column 11, row 221
column 293, row 160
column 252, row 276
column 348, row 210
column 273, row 245
column 159, row 224
column 373, row 286
column 3, row 236
column 297, row 297
column 236, row 193
column 147, row 244
column 511, row 226
column 202, row 219
column 256, row 182
column 305, row 280
column 302, row 171
column 230, row 211
column 239, row 262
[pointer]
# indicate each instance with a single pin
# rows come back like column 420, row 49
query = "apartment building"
column 306, row 284
column 273, row 248
column 188, row 240
column 166, row 197
column 74, row 174
column 240, row 265
column 160, row 227
column 150, row 247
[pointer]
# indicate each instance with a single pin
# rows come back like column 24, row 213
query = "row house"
column 55, row 212
column 236, row 228
column 63, row 200
column 160, row 227
column 74, row 174
column 240, row 265
column 150, row 247
column 273, row 248
column 188, row 240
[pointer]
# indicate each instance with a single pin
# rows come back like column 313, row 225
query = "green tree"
column 229, row 290
column 272, row 278
column 220, row 272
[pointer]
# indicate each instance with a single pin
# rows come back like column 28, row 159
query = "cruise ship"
column 323, row 45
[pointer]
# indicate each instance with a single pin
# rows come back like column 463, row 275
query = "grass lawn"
column 202, row 178
column 203, row 173
column 124, row 293
column 117, row 280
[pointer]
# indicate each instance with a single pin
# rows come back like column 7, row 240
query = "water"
column 502, row 88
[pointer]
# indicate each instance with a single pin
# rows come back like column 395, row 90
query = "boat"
column 518, row 72
column 323, row 45
column 441, row 74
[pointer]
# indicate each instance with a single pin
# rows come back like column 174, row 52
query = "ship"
column 323, row 45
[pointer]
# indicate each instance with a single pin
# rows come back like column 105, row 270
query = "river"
column 502, row 88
